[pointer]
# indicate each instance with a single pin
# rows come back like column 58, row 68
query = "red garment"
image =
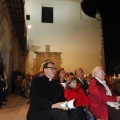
column 98, row 99
column 108, row 82
column 78, row 94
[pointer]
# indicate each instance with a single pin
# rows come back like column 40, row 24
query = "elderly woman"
column 103, row 104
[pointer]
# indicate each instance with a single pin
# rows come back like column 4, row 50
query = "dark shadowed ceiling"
column 16, row 12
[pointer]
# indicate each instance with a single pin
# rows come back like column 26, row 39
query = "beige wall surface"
column 74, row 34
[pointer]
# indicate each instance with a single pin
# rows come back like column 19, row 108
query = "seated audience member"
column 74, row 91
column 47, row 97
column 18, row 85
column 60, row 77
column 24, row 86
column 103, row 104
column 79, row 73
column 28, row 87
column 66, row 75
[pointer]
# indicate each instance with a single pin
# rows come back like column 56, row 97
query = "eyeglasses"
column 52, row 68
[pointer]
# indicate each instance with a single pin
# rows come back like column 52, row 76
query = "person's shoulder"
column 67, row 89
column 93, row 81
column 38, row 78
column 78, row 85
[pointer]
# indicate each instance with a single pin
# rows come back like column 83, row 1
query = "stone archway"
column 41, row 65
column 47, row 56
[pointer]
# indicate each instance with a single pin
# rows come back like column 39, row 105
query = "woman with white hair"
column 103, row 104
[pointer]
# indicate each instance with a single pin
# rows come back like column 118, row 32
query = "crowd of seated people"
column 22, row 84
column 79, row 74
column 85, row 81
column 44, row 97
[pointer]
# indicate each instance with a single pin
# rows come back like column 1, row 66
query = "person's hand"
column 117, row 107
column 58, row 105
column 85, row 108
column 118, row 98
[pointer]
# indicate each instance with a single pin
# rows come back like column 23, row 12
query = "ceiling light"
column 29, row 26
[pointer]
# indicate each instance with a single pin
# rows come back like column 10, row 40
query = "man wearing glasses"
column 46, row 97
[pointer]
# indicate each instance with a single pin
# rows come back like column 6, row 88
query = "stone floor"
column 15, row 109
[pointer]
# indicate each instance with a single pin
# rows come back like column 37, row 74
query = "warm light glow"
column 29, row 26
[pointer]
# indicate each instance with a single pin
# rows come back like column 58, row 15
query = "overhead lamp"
column 29, row 26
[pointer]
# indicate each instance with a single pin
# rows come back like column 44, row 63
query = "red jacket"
column 98, row 99
column 78, row 94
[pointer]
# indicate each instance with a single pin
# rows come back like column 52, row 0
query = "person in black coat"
column 46, row 97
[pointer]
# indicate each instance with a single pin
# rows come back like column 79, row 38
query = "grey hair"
column 95, row 70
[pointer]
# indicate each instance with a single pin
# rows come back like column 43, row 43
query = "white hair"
column 96, row 69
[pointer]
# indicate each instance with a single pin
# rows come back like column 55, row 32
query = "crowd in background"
column 21, row 83
column 78, row 81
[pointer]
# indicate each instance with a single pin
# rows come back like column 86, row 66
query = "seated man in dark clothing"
column 47, row 97
column 79, row 73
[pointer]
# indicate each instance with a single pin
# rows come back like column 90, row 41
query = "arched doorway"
column 42, row 57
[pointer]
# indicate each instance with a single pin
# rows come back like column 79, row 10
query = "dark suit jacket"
column 83, row 86
column 43, row 93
